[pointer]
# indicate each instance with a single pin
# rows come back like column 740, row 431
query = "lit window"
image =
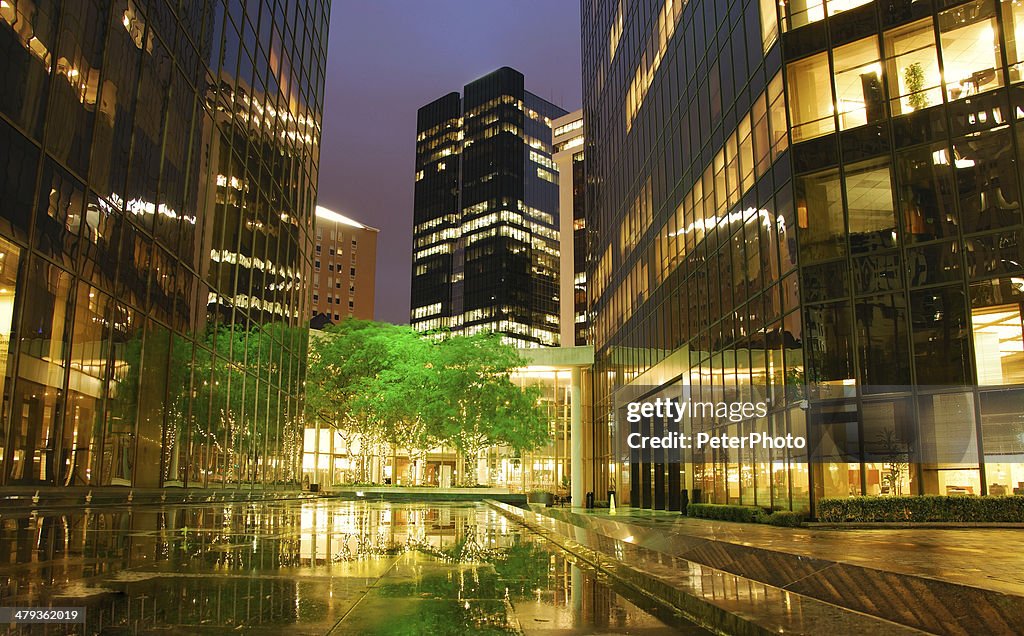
column 970, row 49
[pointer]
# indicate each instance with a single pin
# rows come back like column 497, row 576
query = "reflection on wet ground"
column 320, row 567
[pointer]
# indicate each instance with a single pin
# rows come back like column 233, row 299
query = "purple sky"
column 387, row 58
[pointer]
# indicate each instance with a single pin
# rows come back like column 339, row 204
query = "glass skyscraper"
column 485, row 235
column 158, row 170
column 816, row 205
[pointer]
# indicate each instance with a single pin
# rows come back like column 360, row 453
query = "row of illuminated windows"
column 915, row 67
column 427, row 310
column 539, row 215
column 550, row 177
column 454, row 123
column 508, row 216
column 576, row 124
column 432, row 223
column 446, row 234
column 547, row 162
column 444, row 248
column 574, row 142
column 450, row 137
column 432, row 324
column 493, row 103
column 447, row 151
column 544, row 336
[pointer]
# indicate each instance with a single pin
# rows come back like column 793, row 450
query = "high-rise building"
column 485, row 235
column 158, row 169
column 567, row 134
column 344, row 268
column 816, row 206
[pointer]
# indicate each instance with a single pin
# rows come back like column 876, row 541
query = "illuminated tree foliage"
column 382, row 383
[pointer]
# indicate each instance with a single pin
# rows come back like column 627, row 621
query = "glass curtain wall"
column 845, row 241
column 157, row 177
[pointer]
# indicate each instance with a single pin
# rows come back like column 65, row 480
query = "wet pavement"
column 806, row 580
column 314, row 567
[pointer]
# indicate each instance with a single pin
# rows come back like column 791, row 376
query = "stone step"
column 918, row 602
column 722, row 602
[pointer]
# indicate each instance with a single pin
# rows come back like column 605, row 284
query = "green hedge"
column 745, row 514
column 962, row 509
column 784, row 518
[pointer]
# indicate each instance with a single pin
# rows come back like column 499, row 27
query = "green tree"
column 382, row 383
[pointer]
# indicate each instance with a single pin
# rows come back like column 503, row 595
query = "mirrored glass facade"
column 815, row 205
column 158, row 164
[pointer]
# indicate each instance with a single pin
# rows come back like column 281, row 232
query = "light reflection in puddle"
column 313, row 567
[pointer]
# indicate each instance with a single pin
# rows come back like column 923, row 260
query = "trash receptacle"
column 684, row 500
column 590, row 499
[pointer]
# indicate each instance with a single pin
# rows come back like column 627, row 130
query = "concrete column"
column 576, row 436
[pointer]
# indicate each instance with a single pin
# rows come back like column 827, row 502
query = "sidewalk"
column 963, row 581
column 987, row 558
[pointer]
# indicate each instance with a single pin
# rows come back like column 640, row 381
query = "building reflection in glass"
column 157, row 173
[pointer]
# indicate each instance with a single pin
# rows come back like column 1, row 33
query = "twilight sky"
column 386, row 58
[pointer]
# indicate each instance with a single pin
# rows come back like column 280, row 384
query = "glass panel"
column 889, row 439
column 769, row 24
column 927, row 195
column 970, row 49
column 123, row 397
column 10, row 260
column 830, row 349
column 819, row 210
column 870, row 204
column 912, row 67
column 87, row 386
column 858, row 81
column 1002, row 432
column 1013, row 29
column 37, row 402
column 986, row 177
column 802, row 12
column 836, row 457
column 76, row 82
column 27, row 39
column 998, row 344
column 939, row 328
column 949, row 445
column 882, row 345
column 810, row 98
column 19, row 160
column 799, row 463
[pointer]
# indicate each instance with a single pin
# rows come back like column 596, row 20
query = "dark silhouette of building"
column 486, row 213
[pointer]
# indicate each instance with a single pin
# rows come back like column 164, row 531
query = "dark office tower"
column 835, row 232
column 486, row 213
column 158, row 168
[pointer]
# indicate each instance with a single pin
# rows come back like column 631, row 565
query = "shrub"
column 745, row 514
column 961, row 509
column 784, row 518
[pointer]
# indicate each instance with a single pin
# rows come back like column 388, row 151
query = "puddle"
column 322, row 567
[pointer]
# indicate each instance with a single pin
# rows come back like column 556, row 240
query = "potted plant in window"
column 913, row 78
